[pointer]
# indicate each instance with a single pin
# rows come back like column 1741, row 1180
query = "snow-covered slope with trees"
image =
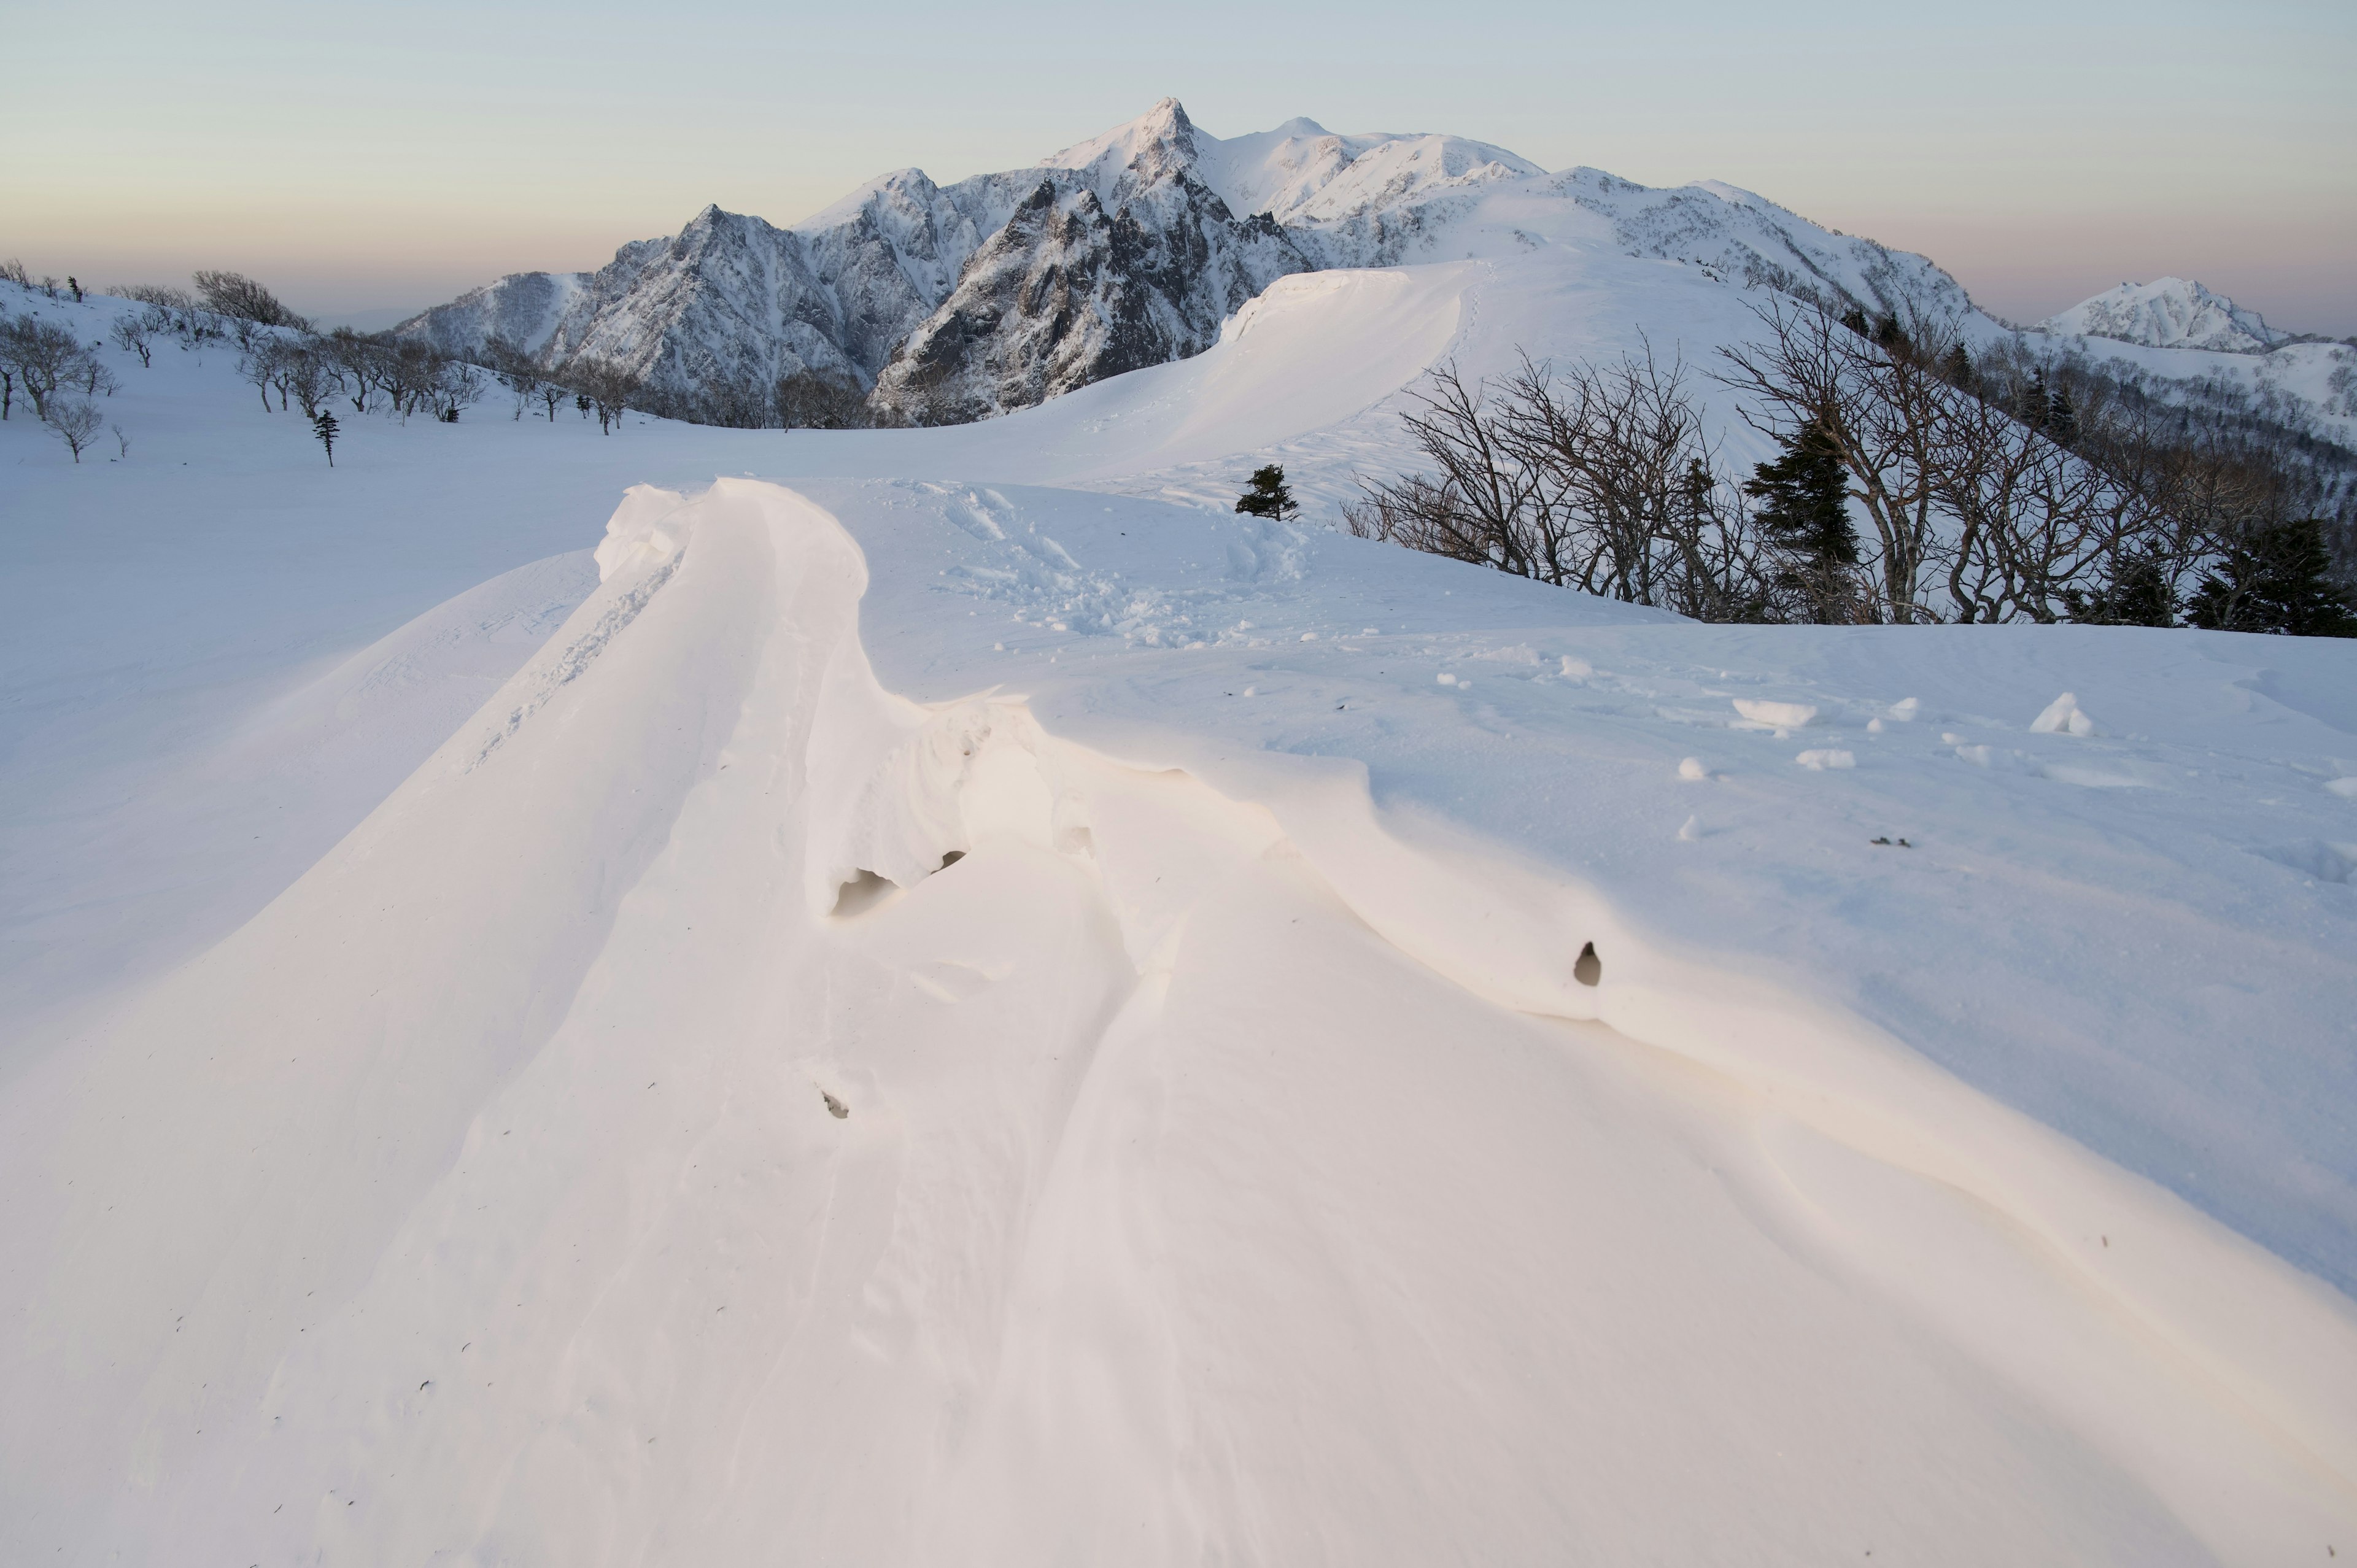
column 932, row 1001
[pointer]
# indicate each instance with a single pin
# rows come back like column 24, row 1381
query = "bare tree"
column 308, row 376
column 259, row 365
column 13, row 270
column 1878, row 410
column 515, row 369
column 240, row 298
column 359, row 363
column 457, row 385
column 812, row 400
column 43, row 356
column 608, row 386
column 1600, row 479
column 133, row 335
column 76, row 420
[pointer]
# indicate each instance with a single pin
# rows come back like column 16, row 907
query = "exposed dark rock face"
column 1074, row 289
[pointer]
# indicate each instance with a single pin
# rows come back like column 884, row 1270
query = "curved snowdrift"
column 718, row 1109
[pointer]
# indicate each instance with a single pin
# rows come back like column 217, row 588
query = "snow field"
column 1236, row 1160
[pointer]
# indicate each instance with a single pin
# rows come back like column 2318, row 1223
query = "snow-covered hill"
column 930, row 1001
column 2167, row 313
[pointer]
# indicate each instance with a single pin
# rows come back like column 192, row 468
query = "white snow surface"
column 927, row 996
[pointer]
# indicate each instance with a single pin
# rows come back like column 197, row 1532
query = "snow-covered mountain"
column 961, row 302
column 2167, row 313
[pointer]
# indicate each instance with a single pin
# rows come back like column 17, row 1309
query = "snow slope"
column 414, row 1123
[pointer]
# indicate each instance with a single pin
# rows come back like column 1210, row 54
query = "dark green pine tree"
column 1268, row 496
column 323, row 425
column 1957, row 366
column 2037, row 403
column 2276, row 578
column 2135, row 592
column 1804, row 512
column 2062, row 419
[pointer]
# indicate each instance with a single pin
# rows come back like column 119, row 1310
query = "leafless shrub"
column 240, row 298
column 135, row 335
column 76, row 421
column 1598, row 478
column 812, row 400
column 607, row 385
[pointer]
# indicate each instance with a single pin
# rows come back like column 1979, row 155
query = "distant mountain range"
column 946, row 303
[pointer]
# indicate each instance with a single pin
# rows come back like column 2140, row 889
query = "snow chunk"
column 635, row 537
column 2062, row 716
column 1779, row 716
column 1821, row 760
column 1692, row 771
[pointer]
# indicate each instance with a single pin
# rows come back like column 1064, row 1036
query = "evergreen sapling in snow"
column 323, row 425
column 1804, row 512
column 1268, row 495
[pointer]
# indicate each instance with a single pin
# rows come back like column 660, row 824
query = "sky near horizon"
column 384, row 159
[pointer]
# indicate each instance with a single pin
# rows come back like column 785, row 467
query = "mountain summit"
column 2169, row 313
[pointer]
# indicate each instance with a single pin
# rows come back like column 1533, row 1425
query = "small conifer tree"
column 1804, row 512
column 323, row 425
column 2135, row 592
column 2275, row 577
column 2062, row 419
column 1268, row 495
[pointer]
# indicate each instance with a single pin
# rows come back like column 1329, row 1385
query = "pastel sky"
column 367, row 159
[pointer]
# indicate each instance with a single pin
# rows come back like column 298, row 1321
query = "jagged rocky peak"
column 1160, row 144
column 2169, row 313
column 1120, row 256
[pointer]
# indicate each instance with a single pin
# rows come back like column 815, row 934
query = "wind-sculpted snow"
column 757, row 1106
column 1000, row 1011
